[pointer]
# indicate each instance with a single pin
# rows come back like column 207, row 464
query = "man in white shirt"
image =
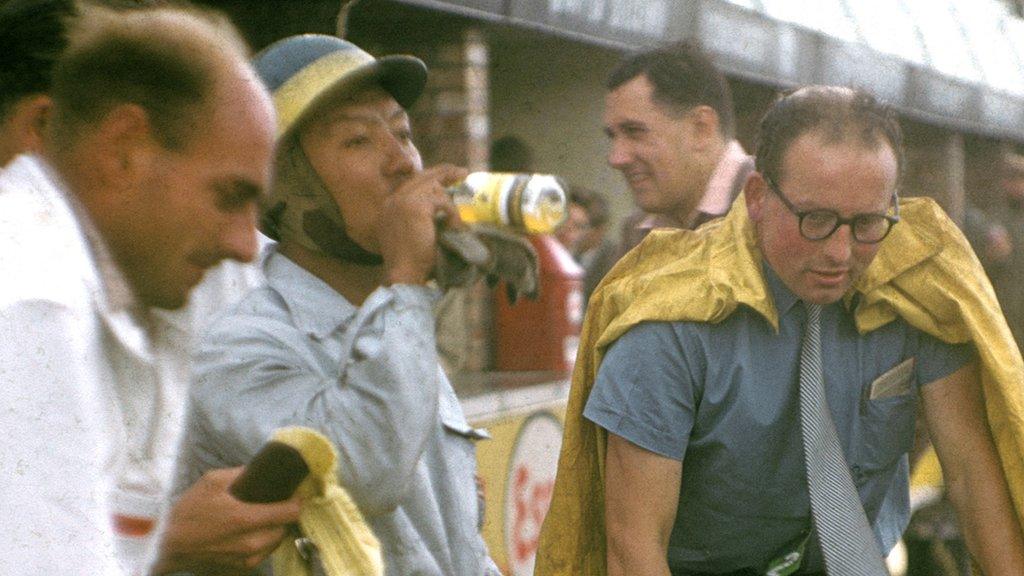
column 138, row 194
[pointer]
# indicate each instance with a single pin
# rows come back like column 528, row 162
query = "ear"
column 30, row 118
column 755, row 192
column 124, row 145
column 704, row 127
column 25, row 124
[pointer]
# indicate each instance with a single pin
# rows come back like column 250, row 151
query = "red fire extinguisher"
column 542, row 334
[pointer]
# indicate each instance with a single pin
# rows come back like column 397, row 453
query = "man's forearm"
column 641, row 496
column 627, row 556
column 987, row 519
column 954, row 409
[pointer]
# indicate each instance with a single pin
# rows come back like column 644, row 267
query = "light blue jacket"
column 295, row 352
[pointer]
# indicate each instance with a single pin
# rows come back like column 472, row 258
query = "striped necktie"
column 847, row 542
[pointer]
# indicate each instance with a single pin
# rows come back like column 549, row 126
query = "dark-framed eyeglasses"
column 820, row 224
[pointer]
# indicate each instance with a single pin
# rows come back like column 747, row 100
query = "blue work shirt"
column 724, row 400
column 297, row 353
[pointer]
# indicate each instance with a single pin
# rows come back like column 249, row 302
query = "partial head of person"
column 597, row 217
column 668, row 117
column 824, row 195
column 33, row 34
column 164, row 134
column 511, row 154
column 32, row 37
column 1012, row 180
column 577, row 221
column 344, row 142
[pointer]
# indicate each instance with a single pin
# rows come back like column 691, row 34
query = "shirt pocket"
column 888, row 411
column 452, row 418
column 461, row 438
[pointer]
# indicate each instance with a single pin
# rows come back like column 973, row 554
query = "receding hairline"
column 201, row 43
column 841, row 92
column 847, row 134
column 834, row 115
column 847, row 128
column 206, row 33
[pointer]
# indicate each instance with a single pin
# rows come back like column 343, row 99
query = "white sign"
column 531, row 479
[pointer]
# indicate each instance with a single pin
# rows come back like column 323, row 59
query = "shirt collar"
column 316, row 308
column 652, row 221
column 718, row 194
column 117, row 292
column 781, row 294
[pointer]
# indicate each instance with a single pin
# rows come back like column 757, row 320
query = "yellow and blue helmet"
column 303, row 72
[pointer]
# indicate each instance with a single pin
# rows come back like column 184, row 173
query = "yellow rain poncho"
column 925, row 272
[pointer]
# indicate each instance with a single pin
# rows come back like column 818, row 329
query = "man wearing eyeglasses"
column 760, row 379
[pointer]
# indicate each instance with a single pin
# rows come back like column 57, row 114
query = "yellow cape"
column 925, row 272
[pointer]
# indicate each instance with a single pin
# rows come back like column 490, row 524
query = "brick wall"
column 452, row 125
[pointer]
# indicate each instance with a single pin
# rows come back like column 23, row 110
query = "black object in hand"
column 273, row 475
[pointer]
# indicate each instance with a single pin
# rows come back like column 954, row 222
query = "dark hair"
column 838, row 113
column 32, row 37
column 163, row 59
column 511, row 154
column 683, row 77
column 594, row 204
column 1011, row 165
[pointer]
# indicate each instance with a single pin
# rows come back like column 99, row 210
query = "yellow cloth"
column 924, row 272
column 927, row 473
column 329, row 517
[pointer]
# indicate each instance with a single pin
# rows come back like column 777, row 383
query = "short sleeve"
column 646, row 388
column 937, row 359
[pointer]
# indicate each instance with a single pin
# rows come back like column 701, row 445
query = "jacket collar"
column 112, row 295
column 316, row 308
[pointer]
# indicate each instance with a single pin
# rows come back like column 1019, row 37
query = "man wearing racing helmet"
column 342, row 336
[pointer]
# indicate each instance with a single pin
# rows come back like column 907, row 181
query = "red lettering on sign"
column 532, row 500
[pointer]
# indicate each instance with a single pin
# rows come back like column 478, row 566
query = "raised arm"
column 954, row 411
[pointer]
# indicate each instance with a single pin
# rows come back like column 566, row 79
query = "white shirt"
column 91, row 399
column 56, row 454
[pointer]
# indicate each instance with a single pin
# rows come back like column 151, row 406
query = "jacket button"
column 858, row 474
